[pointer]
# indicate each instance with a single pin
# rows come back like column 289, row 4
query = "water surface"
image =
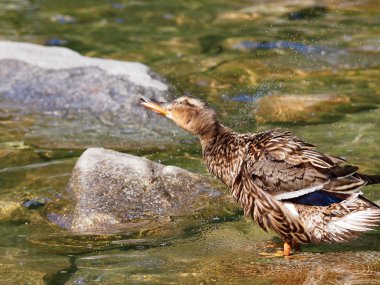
column 230, row 53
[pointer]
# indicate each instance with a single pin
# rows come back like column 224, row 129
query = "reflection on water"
column 230, row 53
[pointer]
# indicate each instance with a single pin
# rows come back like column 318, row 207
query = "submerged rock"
column 294, row 46
column 307, row 13
column 77, row 101
column 308, row 108
column 63, row 19
column 112, row 189
column 55, row 42
column 7, row 208
column 34, row 203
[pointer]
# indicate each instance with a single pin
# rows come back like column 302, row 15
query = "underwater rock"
column 34, row 203
column 63, row 19
column 7, row 208
column 112, row 189
column 307, row 108
column 294, row 46
column 55, row 42
column 307, row 13
column 308, row 55
column 269, row 8
column 240, row 98
column 20, row 268
column 118, row 5
column 77, row 101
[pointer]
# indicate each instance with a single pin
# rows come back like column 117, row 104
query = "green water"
column 193, row 45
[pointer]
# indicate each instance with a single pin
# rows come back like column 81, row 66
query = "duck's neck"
column 211, row 134
column 219, row 151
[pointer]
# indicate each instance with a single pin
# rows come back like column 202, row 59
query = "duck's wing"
column 289, row 168
column 265, row 209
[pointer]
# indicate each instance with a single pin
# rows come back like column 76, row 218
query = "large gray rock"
column 112, row 189
column 78, row 101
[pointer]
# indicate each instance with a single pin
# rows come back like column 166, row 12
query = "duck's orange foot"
column 287, row 249
column 287, row 252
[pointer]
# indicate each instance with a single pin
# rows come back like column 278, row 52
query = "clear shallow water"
column 199, row 47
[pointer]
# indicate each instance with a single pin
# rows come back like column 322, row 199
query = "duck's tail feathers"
column 371, row 179
column 351, row 225
column 342, row 221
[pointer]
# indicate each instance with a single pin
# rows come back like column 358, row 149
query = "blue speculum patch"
column 317, row 198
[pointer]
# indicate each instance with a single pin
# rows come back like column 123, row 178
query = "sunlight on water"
column 235, row 55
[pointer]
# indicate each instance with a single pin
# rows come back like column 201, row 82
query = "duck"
column 282, row 182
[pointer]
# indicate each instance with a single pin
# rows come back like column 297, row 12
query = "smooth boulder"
column 76, row 101
column 112, row 189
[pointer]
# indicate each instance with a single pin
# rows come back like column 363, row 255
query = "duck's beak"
column 155, row 107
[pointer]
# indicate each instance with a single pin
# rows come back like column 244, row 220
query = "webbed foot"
column 287, row 252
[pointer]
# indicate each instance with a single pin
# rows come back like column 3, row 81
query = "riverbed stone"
column 112, row 189
column 77, row 101
column 303, row 108
column 7, row 208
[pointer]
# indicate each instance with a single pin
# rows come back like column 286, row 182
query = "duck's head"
column 189, row 113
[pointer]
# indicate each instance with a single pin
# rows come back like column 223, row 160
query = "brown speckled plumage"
column 274, row 175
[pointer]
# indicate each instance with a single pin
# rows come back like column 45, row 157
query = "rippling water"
column 230, row 53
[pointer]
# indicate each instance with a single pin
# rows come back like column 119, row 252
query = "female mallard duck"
column 282, row 182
